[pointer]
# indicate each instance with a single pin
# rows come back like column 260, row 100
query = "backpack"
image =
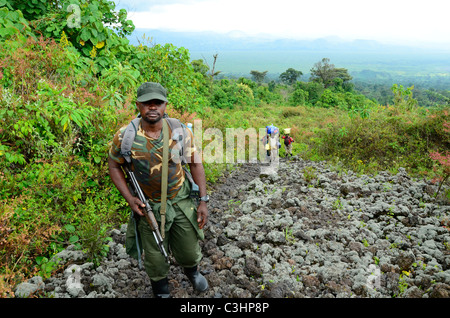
column 176, row 126
column 271, row 129
column 287, row 140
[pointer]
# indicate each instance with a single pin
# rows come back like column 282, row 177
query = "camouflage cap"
column 151, row 90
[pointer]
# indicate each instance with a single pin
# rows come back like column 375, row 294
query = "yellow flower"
column 64, row 41
column 99, row 45
column 82, row 42
column 93, row 52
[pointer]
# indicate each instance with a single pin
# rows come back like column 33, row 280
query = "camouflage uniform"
column 181, row 227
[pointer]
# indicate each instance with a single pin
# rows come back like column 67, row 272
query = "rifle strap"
column 165, row 175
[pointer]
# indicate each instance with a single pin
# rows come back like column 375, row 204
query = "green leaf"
column 94, row 32
column 73, row 239
column 85, row 35
column 3, row 32
column 41, row 259
column 86, row 50
column 94, row 40
column 70, row 228
column 76, row 118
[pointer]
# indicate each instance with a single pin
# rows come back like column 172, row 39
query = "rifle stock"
column 149, row 216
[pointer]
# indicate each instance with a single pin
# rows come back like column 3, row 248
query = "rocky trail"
column 307, row 231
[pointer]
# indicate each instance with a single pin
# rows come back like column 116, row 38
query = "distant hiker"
column 271, row 142
column 183, row 220
column 288, row 140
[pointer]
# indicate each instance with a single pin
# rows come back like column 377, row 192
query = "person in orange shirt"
column 288, row 140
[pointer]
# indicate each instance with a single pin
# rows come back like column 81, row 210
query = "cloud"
column 383, row 20
column 146, row 5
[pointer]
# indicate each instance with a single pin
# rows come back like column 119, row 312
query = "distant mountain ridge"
column 240, row 53
column 238, row 41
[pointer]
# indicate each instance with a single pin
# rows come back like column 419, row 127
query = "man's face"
column 152, row 111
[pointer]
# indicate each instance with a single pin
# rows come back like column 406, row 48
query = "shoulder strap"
column 164, row 176
column 178, row 134
column 128, row 139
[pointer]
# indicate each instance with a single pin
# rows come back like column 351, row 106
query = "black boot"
column 161, row 288
column 197, row 280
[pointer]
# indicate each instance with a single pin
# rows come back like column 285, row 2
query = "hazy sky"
column 400, row 21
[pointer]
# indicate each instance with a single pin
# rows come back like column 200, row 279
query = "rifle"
column 150, row 217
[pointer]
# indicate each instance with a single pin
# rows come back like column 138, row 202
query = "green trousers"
column 181, row 239
column 181, row 236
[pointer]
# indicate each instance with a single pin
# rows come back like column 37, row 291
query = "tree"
column 342, row 79
column 314, row 91
column 331, row 76
column 206, row 68
column 298, row 97
column 200, row 67
column 258, row 76
column 323, row 72
column 290, row 76
column 342, row 73
column 213, row 71
column 403, row 97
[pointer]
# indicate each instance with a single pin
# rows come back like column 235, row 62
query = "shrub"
column 53, row 142
column 26, row 61
column 292, row 112
column 298, row 97
column 264, row 94
column 229, row 94
column 13, row 23
column 384, row 141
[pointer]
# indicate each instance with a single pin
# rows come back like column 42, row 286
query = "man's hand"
column 202, row 214
column 118, row 177
column 136, row 206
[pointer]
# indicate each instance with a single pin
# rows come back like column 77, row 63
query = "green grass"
column 387, row 139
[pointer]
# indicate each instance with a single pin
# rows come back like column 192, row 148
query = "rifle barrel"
column 149, row 216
